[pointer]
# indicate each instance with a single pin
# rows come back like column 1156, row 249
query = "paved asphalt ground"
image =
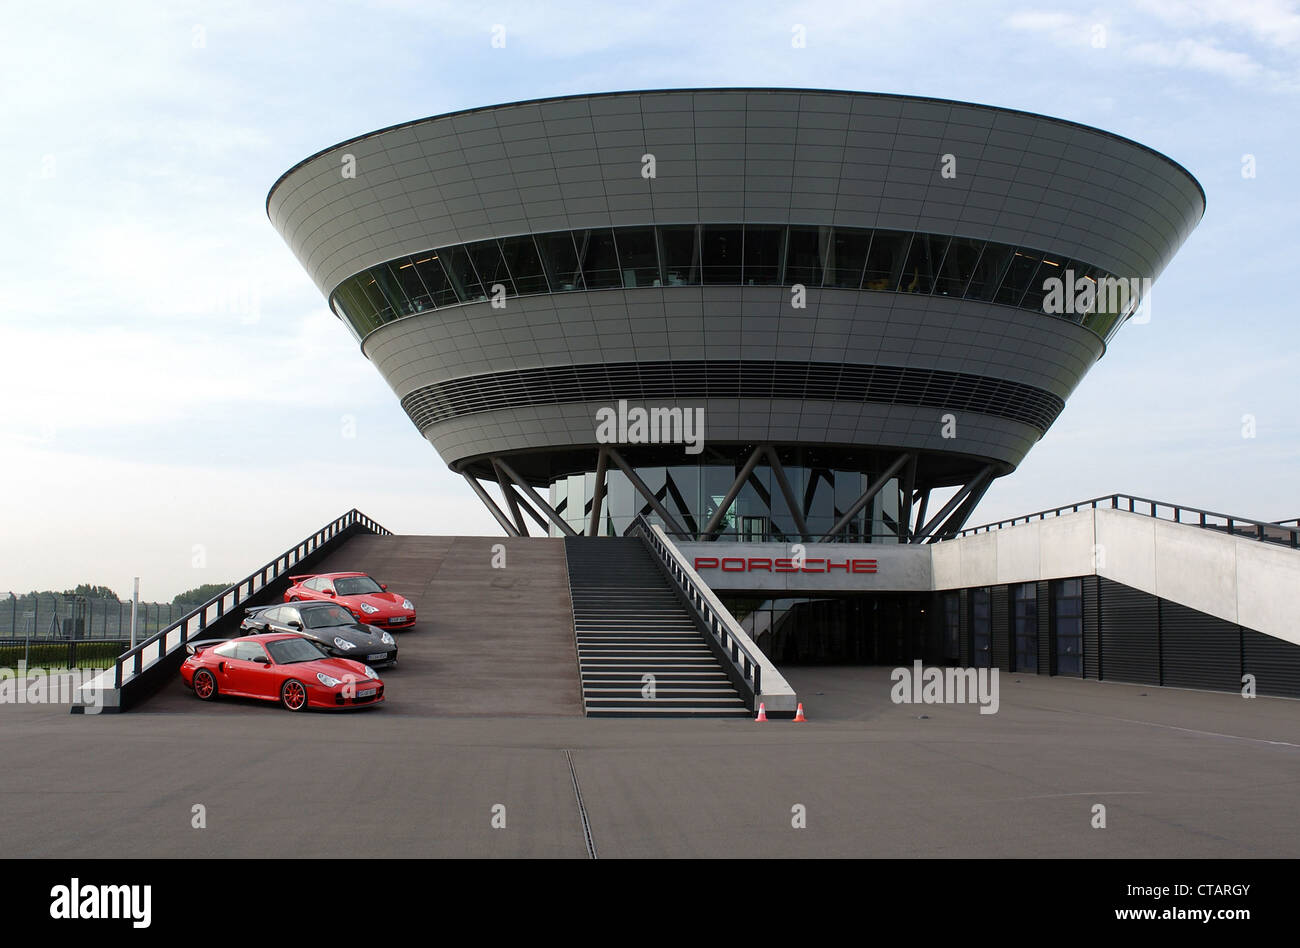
column 484, row 709
column 1181, row 774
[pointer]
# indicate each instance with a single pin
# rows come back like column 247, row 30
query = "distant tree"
column 200, row 593
column 91, row 591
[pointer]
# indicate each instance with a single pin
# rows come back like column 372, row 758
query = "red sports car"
column 369, row 601
column 279, row 667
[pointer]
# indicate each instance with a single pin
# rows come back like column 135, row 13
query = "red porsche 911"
column 279, row 667
column 369, row 601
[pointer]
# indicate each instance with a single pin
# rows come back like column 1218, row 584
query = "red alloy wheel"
column 204, row 684
column 293, row 695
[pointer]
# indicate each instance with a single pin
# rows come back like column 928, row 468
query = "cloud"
column 1273, row 22
column 1199, row 56
column 1207, row 37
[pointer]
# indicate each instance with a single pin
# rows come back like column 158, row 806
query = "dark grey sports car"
column 327, row 624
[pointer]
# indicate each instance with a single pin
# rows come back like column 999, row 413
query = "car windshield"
column 319, row 617
column 356, row 586
column 292, row 651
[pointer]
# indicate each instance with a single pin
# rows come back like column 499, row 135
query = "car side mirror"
column 295, row 624
column 261, row 660
column 384, row 586
column 330, row 593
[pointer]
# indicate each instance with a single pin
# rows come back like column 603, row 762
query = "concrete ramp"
column 489, row 640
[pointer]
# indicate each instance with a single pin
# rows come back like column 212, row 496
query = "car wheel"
column 293, row 598
column 205, row 686
column 293, row 695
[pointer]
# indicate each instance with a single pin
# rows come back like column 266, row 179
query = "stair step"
column 629, row 622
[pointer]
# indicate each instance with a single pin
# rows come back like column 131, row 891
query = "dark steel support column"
column 491, row 505
column 736, row 486
column 942, row 516
column 598, row 502
column 509, row 496
column 962, row 513
column 530, row 496
column 790, row 500
column 865, row 499
column 907, row 495
column 920, row 515
column 528, row 509
column 645, row 492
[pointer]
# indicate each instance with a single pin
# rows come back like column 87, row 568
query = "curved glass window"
column 851, row 258
column 693, row 492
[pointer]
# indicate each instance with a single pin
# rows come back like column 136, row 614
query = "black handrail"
column 1262, row 530
column 239, row 593
column 718, row 621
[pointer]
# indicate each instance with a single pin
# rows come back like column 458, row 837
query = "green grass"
column 42, row 655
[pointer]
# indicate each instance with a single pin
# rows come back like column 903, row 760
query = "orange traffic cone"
column 762, row 712
column 798, row 715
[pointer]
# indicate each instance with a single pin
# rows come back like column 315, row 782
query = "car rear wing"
column 193, row 648
column 297, row 579
column 254, row 610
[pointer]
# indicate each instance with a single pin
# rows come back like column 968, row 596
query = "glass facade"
column 1067, row 603
column 1024, row 626
column 727, row 254
column 951, row 619
column 880, row 629
column 693, row 492
column 981, row 626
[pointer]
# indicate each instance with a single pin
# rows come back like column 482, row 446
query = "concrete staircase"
column 630, row 625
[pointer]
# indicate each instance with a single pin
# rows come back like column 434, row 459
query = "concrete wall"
column 1242, row 581
column 899, row 568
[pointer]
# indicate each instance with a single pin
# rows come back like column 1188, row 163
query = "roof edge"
column 848, row 92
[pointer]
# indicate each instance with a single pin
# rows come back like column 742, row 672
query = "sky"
column 162, row 353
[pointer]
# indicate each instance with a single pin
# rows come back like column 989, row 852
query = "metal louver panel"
column 720, row 378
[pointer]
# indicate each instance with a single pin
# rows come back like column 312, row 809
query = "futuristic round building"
column 756, row 313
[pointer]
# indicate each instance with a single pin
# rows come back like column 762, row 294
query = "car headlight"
column 407, row 604
column 326, row 680
column 368, row 609
column 344, row 644
column 370, row 672
column 388, row 639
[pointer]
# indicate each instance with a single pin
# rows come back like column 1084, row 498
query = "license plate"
column 398, row 621
column 379, row 657
column 367, row 693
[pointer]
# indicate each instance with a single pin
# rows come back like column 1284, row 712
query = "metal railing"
column 1268, row 532
column 717, row 620
column 133, row 662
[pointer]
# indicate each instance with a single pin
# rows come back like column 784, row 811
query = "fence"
column 55, row 616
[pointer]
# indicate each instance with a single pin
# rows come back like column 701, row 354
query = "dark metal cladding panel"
column 1274, row 662
column 1000, row 617
column 1198, row 650
column 1091, row 628
column 1046, row 634
column 1129, row 634
column 964, row 617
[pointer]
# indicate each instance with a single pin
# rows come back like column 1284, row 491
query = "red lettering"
column 733, row 559
column 759, row 563
column 864, row 566
column 706, row 562
column 810, row 562
column 831, row 564
column 785, row 566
